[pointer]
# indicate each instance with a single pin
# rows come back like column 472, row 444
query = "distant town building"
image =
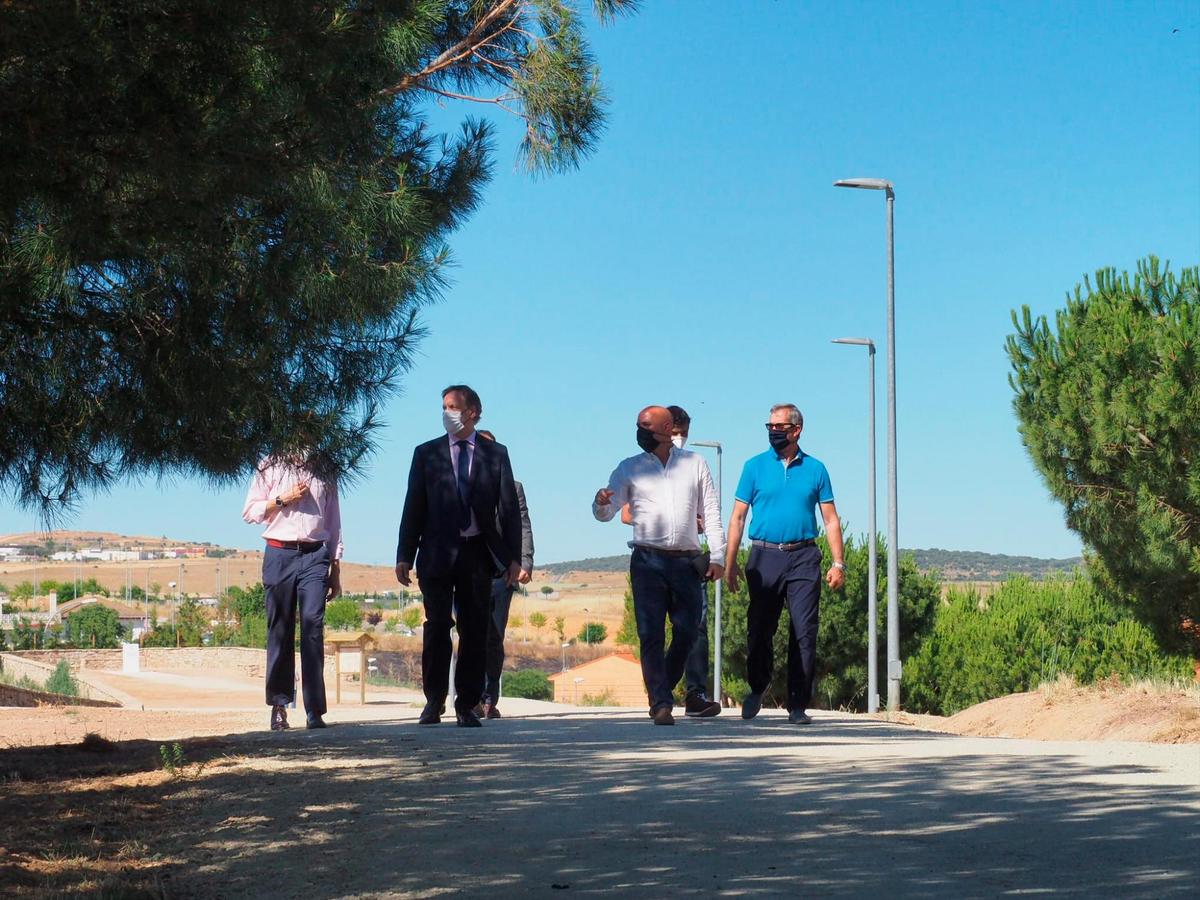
column 616, row 677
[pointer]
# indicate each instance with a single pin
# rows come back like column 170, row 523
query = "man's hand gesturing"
column 604, row 497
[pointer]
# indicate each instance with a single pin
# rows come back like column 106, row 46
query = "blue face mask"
column 779, row 439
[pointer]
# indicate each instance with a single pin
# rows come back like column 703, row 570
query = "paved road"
column 583, row 803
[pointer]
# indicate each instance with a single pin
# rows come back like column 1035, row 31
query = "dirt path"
column 604, row 802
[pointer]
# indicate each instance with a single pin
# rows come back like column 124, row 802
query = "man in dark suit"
column 461, row 527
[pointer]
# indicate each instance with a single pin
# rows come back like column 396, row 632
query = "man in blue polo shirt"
column 784, row 486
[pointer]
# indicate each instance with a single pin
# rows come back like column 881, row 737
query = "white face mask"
column 679, row 441
column 452, row 421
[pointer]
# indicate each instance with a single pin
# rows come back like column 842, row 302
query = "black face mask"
column 779, row 440
column 647, row 440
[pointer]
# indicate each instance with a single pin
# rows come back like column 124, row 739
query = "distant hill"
column 973, row 565
column 955, row 565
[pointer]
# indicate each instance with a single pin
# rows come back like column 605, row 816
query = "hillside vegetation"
column 954, row 565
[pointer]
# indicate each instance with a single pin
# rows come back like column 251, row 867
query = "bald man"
column 666, row 488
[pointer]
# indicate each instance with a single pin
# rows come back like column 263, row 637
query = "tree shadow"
column 609, row 803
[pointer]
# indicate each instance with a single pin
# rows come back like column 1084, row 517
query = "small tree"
column 627, row 636
column 343, row 614
column 537, row 620
column 593, row 633
column 560, row 628
column 62, row 682
column 411, row 616
column 191, row 622
column 547, row 590
column 94, row 626
column 515, row 621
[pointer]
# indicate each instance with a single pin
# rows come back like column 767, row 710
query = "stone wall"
column 38, row 670
column 15, row 696
column 247, row 660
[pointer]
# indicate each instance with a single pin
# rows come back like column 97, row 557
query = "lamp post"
column 716, row 445
column 872, row 566
column 893, row 562
column 564, row 655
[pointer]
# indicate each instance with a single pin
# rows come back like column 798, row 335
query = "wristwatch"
column 841, row 566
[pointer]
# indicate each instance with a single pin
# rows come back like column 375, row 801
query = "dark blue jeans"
column 502, row 596
column 697, row 669
column 295, row 579
column 664, row 586
column 775, row 577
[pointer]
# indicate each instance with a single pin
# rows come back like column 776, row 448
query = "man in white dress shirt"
column 666, row 489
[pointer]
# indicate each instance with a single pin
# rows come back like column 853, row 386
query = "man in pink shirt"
column 300, row 568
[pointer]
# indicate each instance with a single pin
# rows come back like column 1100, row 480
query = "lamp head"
column 716, row 445
column 856, row 341
column 869, row 184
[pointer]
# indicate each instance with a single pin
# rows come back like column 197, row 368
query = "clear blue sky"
column 702, row 257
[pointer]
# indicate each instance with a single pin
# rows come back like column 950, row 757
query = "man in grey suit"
column 502, row 594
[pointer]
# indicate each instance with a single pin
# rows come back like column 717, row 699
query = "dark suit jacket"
column 429, row 526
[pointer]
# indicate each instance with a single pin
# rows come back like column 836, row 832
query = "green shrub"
column 604, row 698
column 532, row 684
column 593, row 633
column 1026, row 633
column 343, row 615
column 62, row 681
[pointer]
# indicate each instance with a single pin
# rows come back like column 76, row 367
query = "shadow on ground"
column 609, row 803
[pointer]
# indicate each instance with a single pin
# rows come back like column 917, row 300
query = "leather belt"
column 794, row 545
column 302, row 546
column 662, row 551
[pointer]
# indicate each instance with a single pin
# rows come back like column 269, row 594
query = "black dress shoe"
column 751, row 705
column 279, row 718
column 431, row 714
column 468, row 719
column 315, row 722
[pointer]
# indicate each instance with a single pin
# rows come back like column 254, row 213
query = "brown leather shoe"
column 489, row 710
column 662, row 716
column 279, row 720
column 480, row 709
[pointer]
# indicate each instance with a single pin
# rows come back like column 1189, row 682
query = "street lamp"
column 716, row 445
column 872, row 568
column 893, row 566
column 564, row 655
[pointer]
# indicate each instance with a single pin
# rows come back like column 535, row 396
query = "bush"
column 593, row 633
column 94, row 626
column 604, row 698
column 412, row 616
column 1024, row 634
column 343, row 615
column 61, row 681
column 532, row 684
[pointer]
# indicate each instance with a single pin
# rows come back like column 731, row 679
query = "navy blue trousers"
column 776, row 577
column 295, row 579
column 664, row 586
column 502, row 596
column 697, row 669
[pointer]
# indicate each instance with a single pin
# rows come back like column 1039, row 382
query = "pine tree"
column 220, row 221
column 1109, row 407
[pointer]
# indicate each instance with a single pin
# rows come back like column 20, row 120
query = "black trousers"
column 464, row 594
column 664, row 586
column 501, row 603
column 295, row 579
column 775, row 577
